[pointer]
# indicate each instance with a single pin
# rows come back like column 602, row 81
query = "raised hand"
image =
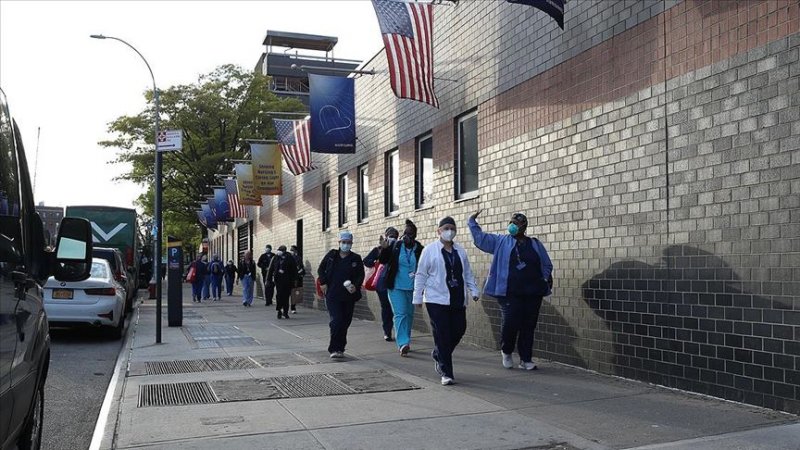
column 475, row 216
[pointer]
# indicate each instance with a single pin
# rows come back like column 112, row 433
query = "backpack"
column 215, row 268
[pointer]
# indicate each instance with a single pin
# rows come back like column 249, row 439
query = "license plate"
column 62, row 294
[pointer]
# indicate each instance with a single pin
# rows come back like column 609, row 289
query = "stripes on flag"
column 237, row 210
column 295, row 141
column 407, row 30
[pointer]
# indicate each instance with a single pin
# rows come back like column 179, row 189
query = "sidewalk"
column 268, row 383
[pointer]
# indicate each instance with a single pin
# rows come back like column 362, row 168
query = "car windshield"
column 99, row 270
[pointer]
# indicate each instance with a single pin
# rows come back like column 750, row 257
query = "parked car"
column 96, row 301
column 114, row 257
column 25, row 264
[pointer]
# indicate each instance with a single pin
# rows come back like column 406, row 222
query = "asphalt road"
column 81, row 365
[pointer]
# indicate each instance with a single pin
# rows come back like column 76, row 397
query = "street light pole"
column 157, row 202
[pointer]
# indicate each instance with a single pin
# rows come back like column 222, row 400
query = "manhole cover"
column 199, row 365
column 174, row 394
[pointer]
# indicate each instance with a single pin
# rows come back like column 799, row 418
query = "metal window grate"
column 174, row 394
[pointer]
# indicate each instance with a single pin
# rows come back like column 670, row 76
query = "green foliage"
column 217, row 114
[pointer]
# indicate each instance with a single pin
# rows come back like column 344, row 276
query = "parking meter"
column 174, row 282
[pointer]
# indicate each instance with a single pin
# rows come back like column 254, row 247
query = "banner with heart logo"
column 333, row 114
column 266, row 168
column 244, row 183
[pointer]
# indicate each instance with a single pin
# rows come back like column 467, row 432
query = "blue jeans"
column 518, row 321
column 197, row 290
column 387, row 315
column 403, row 315
column 216, row 286
column 448, row 324
column 341, row 314
column 206, row 285
column 229, row 284
column 247, row 290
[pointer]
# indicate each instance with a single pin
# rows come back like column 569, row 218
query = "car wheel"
column 31, row 438
column 116, row 332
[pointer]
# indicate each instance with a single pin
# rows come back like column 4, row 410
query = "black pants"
column 341, row 314
column 448, row 324
column 282, row 295
column 269, row 290
column 519, row 317
column 387, row 315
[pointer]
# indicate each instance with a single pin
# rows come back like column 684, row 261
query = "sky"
column 68, row 87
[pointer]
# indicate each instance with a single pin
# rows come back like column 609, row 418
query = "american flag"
column 407, row 30
column 294, row 136
column 237, row 210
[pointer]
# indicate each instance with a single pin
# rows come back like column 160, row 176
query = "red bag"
column 372, row 281
column 191, row 275
column 319, row 289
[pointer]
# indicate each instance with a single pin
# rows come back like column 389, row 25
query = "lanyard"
column 451, row 258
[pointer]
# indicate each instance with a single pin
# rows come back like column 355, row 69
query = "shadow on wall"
column 690, row 323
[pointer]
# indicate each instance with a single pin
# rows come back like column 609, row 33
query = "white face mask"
column 448, row 235
column 391, row 240
column 278, row 253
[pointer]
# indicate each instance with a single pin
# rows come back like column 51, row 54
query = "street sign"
column 169, row 140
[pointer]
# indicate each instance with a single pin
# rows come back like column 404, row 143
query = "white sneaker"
column 447, row 381
column 508, row 360
column 527, row 365
column 337, row 355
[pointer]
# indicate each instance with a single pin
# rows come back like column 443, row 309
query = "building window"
column 392, row 187
column 363, row 193
column 343, row 199
column 423, row 177
column 326, row 207
column 467, row 164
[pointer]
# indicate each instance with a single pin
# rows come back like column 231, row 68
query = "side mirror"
column 73, row 255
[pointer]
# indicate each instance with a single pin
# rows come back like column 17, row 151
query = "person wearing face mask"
column 445, row 282
column 371, row 260
column 341, row 274
column 401, row 260
column 230, row 276
column 263, row 264
column 297, row 289
column 282, row 273
column 519, row 278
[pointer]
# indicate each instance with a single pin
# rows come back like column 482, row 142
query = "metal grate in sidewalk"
column 175, row 394
column 199, row 365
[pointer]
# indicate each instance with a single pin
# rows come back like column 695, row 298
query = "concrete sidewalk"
column 268, row 383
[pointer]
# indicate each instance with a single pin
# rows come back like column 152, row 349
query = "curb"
column 100, row 435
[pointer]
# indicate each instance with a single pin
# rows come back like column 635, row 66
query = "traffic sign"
column 169, row 140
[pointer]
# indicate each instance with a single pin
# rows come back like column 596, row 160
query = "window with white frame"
column 363, row 193
column 343, row 199
column 326, row 207
column 423, row 176
column 467, row 154
column 392, row 186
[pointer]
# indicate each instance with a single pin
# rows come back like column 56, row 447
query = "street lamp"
column 157, row 203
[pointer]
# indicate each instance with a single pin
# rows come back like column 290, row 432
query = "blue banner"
column 333, row 114
column 223, row 207
column 211, row 221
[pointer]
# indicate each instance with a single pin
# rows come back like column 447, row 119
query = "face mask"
column 513, row 229
column 269, row 250
column 278, row 253
column 448, row 235
column 345, row 247
column 391, row 240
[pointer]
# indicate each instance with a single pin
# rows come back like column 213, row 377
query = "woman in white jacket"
column 444, row 281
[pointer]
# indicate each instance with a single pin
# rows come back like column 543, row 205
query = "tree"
column 217, row 114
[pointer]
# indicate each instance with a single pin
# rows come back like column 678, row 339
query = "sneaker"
column 387, row 338
column 527, row 365
column 280, row 316
column 447, row 381
column 337, row 355
column 294, row 311
column 404, row 349
column 508, row 360
column 286, row 316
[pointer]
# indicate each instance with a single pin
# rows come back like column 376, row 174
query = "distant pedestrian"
column 297, row 289
column 282, row 274
column 519, row 277
column 401, row 259
column 216, row 271
column 247, row 274
column 206, row 279
column 341, row 274
column 371, row 261
column 263, row 264
column 199, row 278
column 230, row 277
column 444, row 282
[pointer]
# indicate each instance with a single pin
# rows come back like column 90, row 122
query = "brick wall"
column 655, row 147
